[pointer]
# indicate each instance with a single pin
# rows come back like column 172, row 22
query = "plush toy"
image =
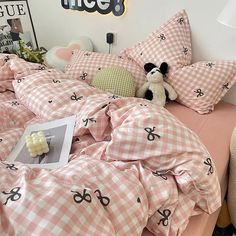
column 154, row 88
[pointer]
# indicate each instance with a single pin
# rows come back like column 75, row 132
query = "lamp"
column 228, row 14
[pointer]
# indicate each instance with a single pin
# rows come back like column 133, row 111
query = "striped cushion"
column 171, row 42
column 116, row 80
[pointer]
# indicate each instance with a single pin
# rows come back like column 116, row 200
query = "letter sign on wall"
column 117, row 7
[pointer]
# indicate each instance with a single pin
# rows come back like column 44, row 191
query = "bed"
column 217, row 126
column 133, row 164
column 95, row 147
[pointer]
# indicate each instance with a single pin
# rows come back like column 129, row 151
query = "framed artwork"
column 16, row 24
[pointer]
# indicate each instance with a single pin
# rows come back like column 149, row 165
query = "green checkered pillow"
column 116, row 80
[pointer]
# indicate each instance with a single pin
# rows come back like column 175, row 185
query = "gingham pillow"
column 22, row 68
column 84, row 65
column 171, row 43
column 11, row 66
column 201, row 85
column 5, row 71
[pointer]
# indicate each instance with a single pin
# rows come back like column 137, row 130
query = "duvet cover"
column 132, row 164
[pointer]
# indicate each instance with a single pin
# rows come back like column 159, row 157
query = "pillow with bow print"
column 84, row 65
column 171, row 43
column 201, row 85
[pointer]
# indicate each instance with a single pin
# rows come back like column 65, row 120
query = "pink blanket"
column 132, row 163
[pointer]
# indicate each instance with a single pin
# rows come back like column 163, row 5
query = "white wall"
column 210, row 40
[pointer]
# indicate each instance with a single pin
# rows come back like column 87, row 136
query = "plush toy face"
column 155, row 76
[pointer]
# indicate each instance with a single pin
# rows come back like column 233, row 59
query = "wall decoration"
column 16, row 25
column 117, row 7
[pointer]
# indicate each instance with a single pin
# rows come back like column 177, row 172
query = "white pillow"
column 58, row 57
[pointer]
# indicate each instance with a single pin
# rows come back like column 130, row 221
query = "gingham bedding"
column 132, row 164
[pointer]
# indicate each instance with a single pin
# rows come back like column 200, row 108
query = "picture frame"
column 59, row 135
column 16, row 25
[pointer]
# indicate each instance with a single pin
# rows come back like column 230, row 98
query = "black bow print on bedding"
column 10, row 166
column 208, row 162
column 151, row 135
column 78, row 197
column 15, row 103
column 83, row 76
column 162, row 37
column 165, row 217
column 86, row 121
column 14, row 195
column 41, row 67
column 185, row 51
column 181, row 20
column 159, row 174
column 113, row 97
column 87, row 54
column 104, row 200
column 74, row 97
column 6, row 58
column 143, row 105
column 210, row 64
column 225, row 86
column 199, row 92
column 85, row 196
column 56, row 81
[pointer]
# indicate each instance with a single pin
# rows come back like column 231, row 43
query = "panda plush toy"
column 155, row 88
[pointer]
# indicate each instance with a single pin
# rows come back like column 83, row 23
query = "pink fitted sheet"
column 215, row 131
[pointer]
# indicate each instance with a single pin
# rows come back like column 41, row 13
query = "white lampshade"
column 228, row 15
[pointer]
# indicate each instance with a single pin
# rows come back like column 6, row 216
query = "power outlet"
column 110, row 38
column 114, row 38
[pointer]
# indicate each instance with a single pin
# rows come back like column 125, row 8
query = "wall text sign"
column 117, row 7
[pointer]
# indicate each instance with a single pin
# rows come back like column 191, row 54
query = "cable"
column 109, row 50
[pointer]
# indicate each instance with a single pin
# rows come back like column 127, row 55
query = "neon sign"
column 117, row 7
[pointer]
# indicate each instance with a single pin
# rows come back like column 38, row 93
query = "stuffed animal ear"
column 149, row 66
column 164, row 68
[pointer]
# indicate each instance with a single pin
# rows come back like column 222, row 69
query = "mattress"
column 215, row 131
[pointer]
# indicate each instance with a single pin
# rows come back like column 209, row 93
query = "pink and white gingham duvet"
column 132, row 164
